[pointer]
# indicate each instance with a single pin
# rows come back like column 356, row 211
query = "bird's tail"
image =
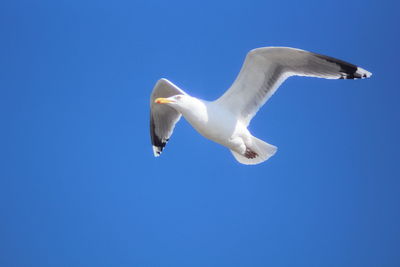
column 258, row 151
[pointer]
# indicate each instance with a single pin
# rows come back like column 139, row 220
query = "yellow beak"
column 162, row 100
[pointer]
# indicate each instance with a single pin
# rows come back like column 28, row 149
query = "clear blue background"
column 79, row 185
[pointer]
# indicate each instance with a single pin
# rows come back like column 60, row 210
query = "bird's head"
column 178, row 102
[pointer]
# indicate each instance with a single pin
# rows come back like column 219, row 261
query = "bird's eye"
column 178, row 97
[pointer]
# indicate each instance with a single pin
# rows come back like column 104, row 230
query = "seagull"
column 226, row 119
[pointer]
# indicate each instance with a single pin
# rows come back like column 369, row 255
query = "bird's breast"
column 213, row 122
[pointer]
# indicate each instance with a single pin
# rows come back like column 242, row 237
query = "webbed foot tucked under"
column 258, row 152
column 250, row 154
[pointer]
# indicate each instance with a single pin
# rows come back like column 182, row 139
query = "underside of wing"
column 265, row 69
column 162, row 117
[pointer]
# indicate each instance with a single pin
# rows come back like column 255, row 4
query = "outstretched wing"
column 162, row 117
column 265, row 69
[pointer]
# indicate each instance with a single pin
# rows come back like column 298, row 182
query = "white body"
column 231, row 134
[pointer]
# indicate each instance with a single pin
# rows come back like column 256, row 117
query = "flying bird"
column 226, row 119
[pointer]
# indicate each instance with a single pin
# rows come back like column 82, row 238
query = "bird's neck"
column 196, row 112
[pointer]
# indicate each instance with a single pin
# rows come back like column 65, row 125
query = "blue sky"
column 79, row 185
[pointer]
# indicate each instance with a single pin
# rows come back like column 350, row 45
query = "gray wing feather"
column 265, row 69
column 162, row 117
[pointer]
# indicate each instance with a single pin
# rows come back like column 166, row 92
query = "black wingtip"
column 158, row 145
column 360, row 73
column 347, row 70
column 157, row 142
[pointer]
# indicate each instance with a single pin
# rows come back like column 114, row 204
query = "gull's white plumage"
column 225, row 120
